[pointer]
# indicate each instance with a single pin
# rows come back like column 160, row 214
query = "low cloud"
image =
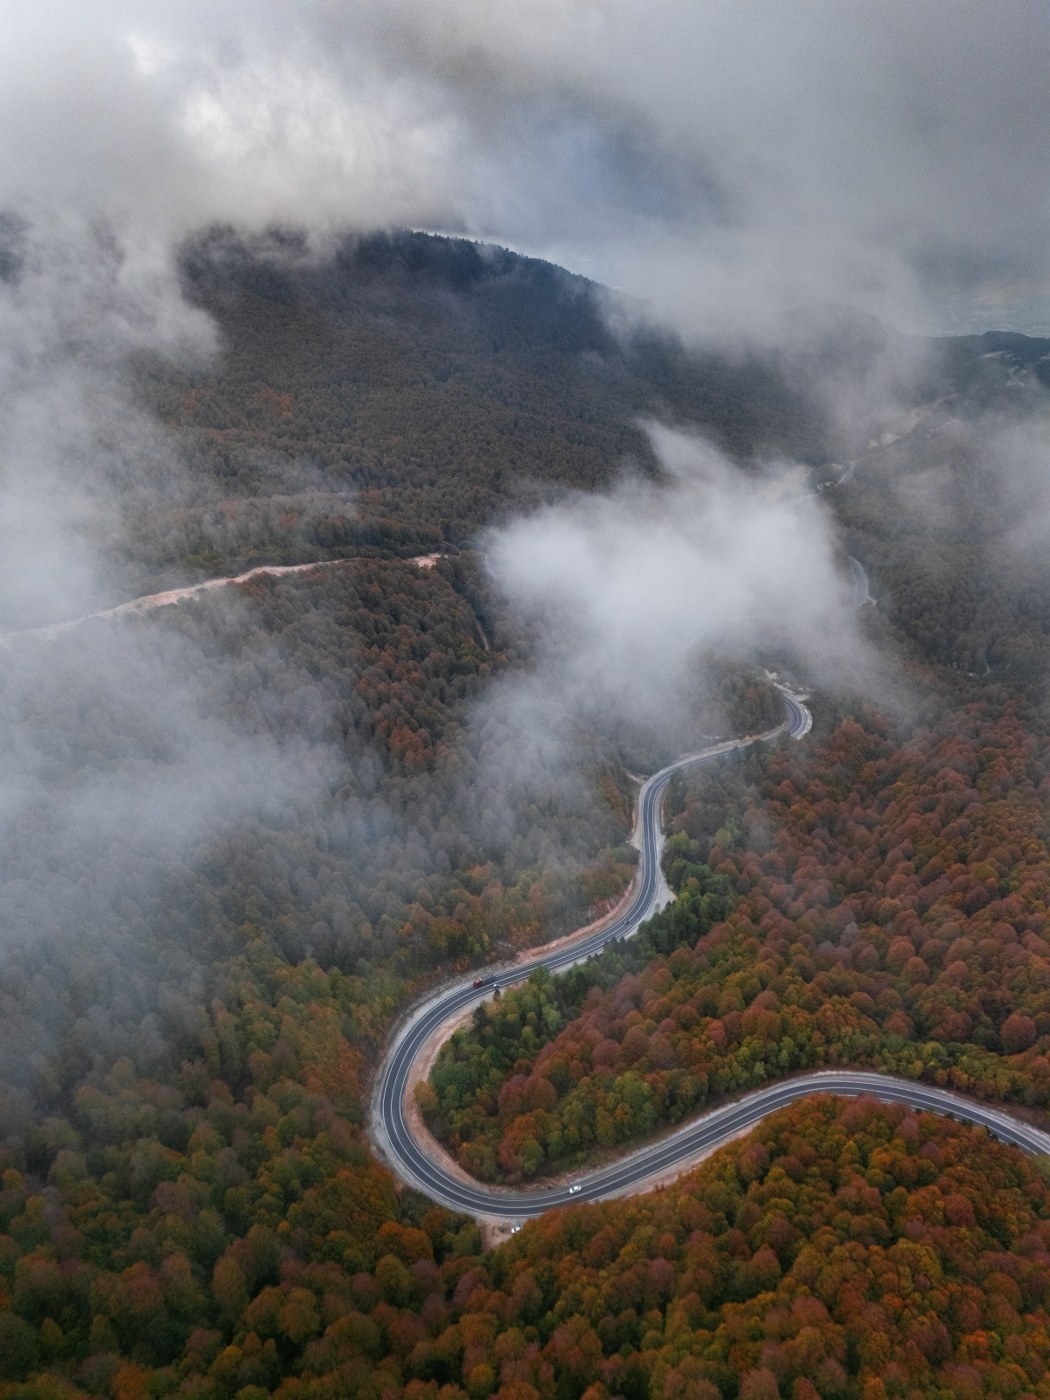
column 76, row 304
column 728, row 163
column 112, row 765
column 629, row 597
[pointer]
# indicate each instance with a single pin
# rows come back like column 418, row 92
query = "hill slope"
column 237, row 835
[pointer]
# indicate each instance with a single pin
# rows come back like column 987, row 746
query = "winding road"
column 415, row 1160
column 150, row 602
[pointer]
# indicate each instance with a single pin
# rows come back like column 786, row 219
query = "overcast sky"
column 727, row 161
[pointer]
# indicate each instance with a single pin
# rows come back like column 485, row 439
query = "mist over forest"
column 418, row 426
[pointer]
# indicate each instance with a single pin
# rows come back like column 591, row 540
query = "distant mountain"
column 443, row 379
column 399, row 391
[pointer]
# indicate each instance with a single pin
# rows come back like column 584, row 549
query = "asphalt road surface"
column 419, row 1167
column 710, row 1131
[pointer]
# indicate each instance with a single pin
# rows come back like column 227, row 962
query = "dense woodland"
column 870, row 902
column 956, row 563
column 303, row 771
column 843, row 1250
column 239, row 834
column 400, row 393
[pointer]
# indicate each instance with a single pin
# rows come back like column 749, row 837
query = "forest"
column 241, row 834
column 882, row 904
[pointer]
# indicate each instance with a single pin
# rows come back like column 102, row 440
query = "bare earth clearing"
column 151, row 601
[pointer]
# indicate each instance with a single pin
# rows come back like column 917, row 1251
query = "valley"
column 352, row 747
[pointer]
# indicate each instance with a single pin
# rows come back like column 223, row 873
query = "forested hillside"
column 867, row 902
column 401, row 391
column 953, row 563
column 944, row 504
column 238, row 836
column 343, row 823
column 843, row 1250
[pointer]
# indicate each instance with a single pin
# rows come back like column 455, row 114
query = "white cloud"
column 727, row 161
column 628, row 591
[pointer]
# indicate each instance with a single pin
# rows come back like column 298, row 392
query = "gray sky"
column 727, row 161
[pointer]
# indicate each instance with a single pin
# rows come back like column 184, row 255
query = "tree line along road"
column 413, row 1157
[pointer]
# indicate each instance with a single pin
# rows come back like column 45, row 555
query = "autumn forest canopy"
column 241, row 833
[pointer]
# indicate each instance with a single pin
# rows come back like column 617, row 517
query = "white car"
column 574, row 1189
